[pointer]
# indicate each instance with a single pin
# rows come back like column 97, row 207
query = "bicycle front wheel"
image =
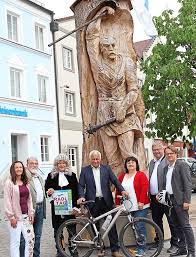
column 75, row 238
column 138, row 238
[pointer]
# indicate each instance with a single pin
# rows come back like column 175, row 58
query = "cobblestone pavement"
column 47, row 243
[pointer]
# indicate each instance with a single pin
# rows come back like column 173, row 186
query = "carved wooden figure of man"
column 116, row 82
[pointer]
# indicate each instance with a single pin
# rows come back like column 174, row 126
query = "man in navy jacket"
column 95, row 184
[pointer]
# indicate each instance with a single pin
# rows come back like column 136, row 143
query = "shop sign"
column 13, row 112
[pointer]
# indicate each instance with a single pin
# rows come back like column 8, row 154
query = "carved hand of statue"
column 120, row 115
column 108, row 10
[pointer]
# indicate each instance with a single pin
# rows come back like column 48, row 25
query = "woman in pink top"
column 19, row 210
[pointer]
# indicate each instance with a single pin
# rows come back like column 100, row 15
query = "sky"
column 61, row 8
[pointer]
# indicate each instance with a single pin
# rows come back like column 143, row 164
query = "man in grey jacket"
column 177, row 183
column 39, row 203
column 156, row 173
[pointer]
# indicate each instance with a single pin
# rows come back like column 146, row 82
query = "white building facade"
column 69, row 104
column 27, row 85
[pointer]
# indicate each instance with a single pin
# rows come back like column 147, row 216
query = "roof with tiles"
column 143, row 46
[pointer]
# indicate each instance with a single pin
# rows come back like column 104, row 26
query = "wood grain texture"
column 120, row 27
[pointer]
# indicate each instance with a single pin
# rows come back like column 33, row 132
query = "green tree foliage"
column 169, row 89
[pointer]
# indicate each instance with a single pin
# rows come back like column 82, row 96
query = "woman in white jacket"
column 19, row 210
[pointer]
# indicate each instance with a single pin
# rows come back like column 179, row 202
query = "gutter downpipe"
column 56, row 87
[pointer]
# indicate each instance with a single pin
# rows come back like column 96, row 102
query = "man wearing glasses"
column 156, row 172
column 39, row 204
column 177, row 183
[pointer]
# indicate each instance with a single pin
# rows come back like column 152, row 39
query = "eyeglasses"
column 33, row 163
column 169, row 154
column 157, row 149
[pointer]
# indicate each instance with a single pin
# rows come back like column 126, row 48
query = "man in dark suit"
column 156, row 173
column 94, row 184
column 177, row 183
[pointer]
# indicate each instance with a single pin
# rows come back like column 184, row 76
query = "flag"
column 141, row 9
column 146, row 4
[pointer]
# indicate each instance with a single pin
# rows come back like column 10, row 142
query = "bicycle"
column 79, row 237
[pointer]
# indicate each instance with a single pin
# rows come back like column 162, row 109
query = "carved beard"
column 111, row 57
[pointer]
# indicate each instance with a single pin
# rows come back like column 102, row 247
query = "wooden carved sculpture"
column 108, row 82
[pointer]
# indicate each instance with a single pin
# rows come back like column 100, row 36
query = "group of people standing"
column 25, row 202
column 173, row 176
column 25, row 198
column 25, row 208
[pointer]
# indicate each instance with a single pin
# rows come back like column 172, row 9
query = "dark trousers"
column 59, row 221
column 180, row 218
column 98, row 208
column 158, row 210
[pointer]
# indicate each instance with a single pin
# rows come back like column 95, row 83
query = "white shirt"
column 96, row 173
column 38, row 188
column 63, row 182
column 169, row 178
column 127, row 183
column 154, row 178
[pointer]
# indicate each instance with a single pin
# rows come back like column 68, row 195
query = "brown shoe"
column 101, row 253
column 116, row 254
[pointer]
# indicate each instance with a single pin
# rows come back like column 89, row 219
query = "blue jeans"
column 140, row 227
column 37, row 225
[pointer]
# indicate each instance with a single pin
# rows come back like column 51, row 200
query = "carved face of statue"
column 108, row 47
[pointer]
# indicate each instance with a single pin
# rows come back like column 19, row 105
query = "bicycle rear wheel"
column 74, row 239
column 137, row 238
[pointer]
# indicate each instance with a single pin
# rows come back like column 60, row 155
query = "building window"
column 12, row 26
column 69, row 103
column 15, row 80
column 145, row 123
column 14, row 146
column 140, row 83
column 39, row 37
column 179, row 151
column 44, row 149
column 147, row 155
column 68, row 58
column 72, row 153
column 42, row 81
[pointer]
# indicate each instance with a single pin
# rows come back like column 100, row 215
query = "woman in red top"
column 135, row 183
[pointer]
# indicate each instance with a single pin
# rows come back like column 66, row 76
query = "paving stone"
column 47, row 242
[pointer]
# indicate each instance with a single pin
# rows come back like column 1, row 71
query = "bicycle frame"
column 118, row 210
column 87, row 237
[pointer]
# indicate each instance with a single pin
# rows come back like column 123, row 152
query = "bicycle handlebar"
column 86, row 202
column 123, row 197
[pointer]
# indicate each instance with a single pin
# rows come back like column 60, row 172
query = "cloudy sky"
column 61, row 8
